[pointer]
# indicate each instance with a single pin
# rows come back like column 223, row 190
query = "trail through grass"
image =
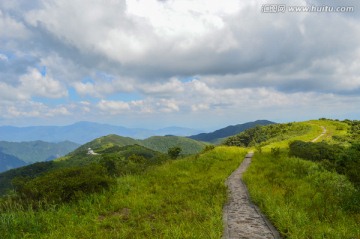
column 301, row 198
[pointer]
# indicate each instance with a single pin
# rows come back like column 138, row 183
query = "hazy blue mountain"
column 228, row 131
column 83, row 132
column 36, row 151
column 9, row 162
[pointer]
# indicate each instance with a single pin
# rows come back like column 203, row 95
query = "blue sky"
column 192, row 63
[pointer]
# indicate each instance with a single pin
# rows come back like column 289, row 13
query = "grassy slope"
column 301, row 199
column 180, row 199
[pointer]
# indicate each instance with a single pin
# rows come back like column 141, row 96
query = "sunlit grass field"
column 179, row 199
column 302, row 199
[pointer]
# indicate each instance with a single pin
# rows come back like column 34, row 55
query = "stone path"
column 321, row 135
column 243, row 219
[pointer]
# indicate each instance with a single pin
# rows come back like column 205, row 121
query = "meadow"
column 181, row 198
column 302, row 198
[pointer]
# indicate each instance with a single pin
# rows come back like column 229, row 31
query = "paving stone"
column 242, row 218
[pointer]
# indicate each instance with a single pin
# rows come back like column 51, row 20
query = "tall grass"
column 302, row 199
column 179, row 199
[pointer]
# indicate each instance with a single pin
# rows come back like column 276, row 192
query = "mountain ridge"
column 217, row 135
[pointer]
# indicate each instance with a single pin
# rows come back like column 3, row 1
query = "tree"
column 174, row 152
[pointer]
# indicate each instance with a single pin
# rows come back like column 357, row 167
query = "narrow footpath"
column 321, row 135
column 243, row 219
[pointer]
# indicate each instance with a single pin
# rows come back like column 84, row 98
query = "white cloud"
column 172, row 86
column 241, row 58
column 32, row 84
column 31, row 109
column 35, row 84
column 101, row 88
column 113, row 107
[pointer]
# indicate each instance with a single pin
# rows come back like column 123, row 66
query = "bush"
column 174, row 152
column 63, row 185
column 208, row 148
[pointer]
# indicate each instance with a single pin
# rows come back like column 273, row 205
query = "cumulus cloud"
column 31, row 109
column 177, row 57
column 113, row 107
column 33, row 84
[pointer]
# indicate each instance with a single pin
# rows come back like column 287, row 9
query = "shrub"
column 63, row 185
column 174, row 152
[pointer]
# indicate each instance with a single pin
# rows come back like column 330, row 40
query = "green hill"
column 156, row 143
column 115, row 147
column 104, row 143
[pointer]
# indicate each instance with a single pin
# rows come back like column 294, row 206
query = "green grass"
column 302, row 199
column 179, row 199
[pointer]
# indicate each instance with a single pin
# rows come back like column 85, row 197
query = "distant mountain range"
column 83, row 132
column 218, row 135
column 9, row 162
column 17, row 154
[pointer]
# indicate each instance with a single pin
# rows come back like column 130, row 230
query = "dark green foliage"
column 315, row 151
column 344, row 160
column 354, row 129
column 261, row 134
column 228, row 131
column 275, row 152
column 110, row 165
column 63, row 185
column 30, row 171
column 208, row 148
column 174, row 152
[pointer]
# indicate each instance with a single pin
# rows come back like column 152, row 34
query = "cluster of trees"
column 344, row 160
column 260, row 134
